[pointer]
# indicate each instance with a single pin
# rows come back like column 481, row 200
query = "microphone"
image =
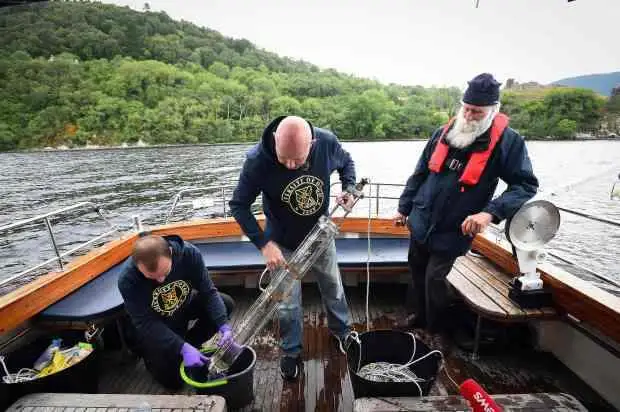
column 478, row 399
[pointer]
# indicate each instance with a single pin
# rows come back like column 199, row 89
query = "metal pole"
column 588, row 216
column 176, row 199
column 474, row 354
column 50, row 214
column 224, row 201
column 137, row 223
column 593, row 273
column 377, row 201
column 49, row 230
column 105, row 219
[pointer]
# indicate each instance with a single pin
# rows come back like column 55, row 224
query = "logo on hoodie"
column 304, row 195
column 169, row 297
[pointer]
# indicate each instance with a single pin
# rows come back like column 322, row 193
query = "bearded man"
column 449, row 197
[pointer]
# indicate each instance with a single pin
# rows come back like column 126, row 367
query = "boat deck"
column 510, row 367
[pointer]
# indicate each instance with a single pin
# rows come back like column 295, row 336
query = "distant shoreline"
column 160, row 146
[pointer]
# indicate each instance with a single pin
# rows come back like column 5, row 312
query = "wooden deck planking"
column 543, row 402
column 325, row 374
column 61, row 402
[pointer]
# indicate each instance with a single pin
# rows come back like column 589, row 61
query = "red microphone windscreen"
column 479, row 400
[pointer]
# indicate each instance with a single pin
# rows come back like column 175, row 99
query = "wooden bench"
column 484, row 287
column 118, row 403
column 531, row 402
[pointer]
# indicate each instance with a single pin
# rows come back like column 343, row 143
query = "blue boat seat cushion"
column 100, row 297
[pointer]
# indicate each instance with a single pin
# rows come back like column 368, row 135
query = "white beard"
column 464, row 132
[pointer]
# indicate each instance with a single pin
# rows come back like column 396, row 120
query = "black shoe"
column 289, row 367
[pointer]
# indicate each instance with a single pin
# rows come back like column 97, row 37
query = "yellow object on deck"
column 62, row 359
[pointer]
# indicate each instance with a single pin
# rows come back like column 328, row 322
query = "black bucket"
column 82, row 377
column 396, row 347
column 237, row 387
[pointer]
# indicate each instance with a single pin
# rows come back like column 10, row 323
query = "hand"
column 193, row 357
column 474, row 224
column 226, row 335
column 345, row 199
column 399, row 219
column 273, row 255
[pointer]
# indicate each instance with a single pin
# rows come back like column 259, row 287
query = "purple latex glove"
column 226, row 335
column 192, row 356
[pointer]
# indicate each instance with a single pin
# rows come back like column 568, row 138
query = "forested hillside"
column 77, row 73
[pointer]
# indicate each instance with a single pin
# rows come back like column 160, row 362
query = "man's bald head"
column 153, row 257
column 293, row 138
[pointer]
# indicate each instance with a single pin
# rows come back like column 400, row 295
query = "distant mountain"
column 601, row 83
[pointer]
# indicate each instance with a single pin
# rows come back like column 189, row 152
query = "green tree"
column 284, row 105
column 565, row 128
column 220, row 70
column 368, row 115
column 8, row 140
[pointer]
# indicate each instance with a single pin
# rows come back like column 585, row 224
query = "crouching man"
column 165, row 285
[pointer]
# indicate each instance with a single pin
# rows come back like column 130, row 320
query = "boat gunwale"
column 587, row 302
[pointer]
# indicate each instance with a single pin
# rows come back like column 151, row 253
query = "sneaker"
column 289, row 367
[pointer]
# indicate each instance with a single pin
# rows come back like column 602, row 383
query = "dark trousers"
column 164, row 367
column 428, row 298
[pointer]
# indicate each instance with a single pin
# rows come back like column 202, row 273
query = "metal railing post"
column 137, row 223
column 377, row 200
column 224, row 200
column 49, row 230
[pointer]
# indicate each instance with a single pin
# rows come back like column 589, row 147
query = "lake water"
column 129, row 182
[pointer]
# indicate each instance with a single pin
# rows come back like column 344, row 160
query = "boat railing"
column 46, row 219
column 218, row 197
column 377, row 193
column 219, row 190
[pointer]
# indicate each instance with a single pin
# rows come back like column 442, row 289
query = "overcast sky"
column 425, row 42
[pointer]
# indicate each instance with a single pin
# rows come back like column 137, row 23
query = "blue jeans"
column 290, row 311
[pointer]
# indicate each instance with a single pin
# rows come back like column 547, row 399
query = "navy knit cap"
column 483, row 90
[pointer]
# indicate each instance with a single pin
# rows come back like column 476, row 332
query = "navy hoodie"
column 437, row 203
column 293, row 200
column 159, row 311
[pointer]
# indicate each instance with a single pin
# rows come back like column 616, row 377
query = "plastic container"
column 82, row 377
column 237, row 387
column 391, row 346
column 47, row 355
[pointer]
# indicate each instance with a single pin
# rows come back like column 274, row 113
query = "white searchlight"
column 529, row 230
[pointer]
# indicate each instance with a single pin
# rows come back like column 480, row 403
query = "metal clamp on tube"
column 356, row 193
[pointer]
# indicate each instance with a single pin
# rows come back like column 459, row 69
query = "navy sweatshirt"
column 159, row 311
column 437, row 203
column 293, row 200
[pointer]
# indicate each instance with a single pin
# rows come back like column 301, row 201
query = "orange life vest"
column 478, row 160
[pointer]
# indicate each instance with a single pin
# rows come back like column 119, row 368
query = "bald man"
column 156, row 283
column 291, row 167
